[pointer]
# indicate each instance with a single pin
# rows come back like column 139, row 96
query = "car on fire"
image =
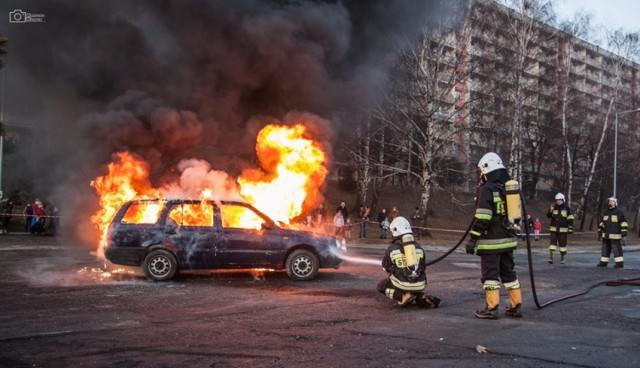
column 166, row 236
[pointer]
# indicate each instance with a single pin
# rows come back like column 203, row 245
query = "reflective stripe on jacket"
column 613, row 224
column 489, row 228
column 561, row 219
column 395, row 263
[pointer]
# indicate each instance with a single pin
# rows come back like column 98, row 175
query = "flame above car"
column 292, row 171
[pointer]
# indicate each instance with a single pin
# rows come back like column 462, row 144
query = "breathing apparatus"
column 515, row 210
column 514, row 205
column 400, row 227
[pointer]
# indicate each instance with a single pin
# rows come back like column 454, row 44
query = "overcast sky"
column 610, row 14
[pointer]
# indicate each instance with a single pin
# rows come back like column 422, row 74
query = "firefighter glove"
column 471, row 247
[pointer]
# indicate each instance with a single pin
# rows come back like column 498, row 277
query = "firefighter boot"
column 562, row 257
column 551, row 257
column 407, row 298
column 427, row 301
column 491, row 311
column 619, row 265
column 515, row 297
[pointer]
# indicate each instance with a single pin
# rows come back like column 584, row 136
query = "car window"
column 192, row 214
column 143, row 213
column 240, row 217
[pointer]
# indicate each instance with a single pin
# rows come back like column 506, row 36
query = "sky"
column 610, row 14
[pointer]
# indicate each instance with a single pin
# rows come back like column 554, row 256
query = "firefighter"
column 494, row 238
column 612, row 229
column 404, row 261
column 561, row 225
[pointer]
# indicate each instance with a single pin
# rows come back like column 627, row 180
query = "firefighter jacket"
column 395, row 263
column 491, row 230
column 561, row 219
column 613, row 224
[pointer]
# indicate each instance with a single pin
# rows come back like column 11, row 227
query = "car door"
column 136, row 225
column 248, row 239
column 190, row 226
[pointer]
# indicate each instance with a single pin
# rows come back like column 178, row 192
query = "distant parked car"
column 165, row 236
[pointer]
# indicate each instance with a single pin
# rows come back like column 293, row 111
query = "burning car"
column 165, row 236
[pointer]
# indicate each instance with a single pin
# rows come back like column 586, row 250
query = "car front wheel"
column 302, row 265
column 160, row 265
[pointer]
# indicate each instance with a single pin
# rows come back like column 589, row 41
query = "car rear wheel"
column 160, row 265
column 302, row 265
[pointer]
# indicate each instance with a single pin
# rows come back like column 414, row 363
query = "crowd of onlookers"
column 38, row 218
column 341, row 224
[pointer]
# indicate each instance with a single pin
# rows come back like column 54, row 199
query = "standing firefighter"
column 612, row 229
column 405, row 263
column 494, row 237
column 561, row 225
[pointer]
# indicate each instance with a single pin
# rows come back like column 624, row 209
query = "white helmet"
column 400, row 226
column 614, row 199
column 560, row 196
column 490, row 162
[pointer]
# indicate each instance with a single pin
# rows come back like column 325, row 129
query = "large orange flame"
column 293, row 170
column 288, row 183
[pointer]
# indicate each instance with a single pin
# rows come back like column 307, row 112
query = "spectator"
column 345, row 212
column 347, row 229
column 6, row 208
column 338, row 223
column 363, row 214
column 416, row 222
column 537, row 227
column 320, row 212
column 55, row 219
column 394, row 213
column 38, row 220
column 28, row 213
column 383, row 221
column 528, row 222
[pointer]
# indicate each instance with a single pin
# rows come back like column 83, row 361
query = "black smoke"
column 173, row 80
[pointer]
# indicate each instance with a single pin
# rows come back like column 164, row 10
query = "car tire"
column 302, row 265
column 160, row 265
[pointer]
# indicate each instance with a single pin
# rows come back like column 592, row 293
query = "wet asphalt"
column 59, row 309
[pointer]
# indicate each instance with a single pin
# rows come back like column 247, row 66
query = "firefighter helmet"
column 560, row 196
column 614, row 199
column 400, row 226
column 490, row 162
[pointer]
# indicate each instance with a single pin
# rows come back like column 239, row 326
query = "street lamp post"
column 615, row 151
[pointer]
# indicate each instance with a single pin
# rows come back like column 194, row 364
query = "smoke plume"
column 185, row 85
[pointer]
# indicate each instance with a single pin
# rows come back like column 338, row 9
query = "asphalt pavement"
column 60, row 308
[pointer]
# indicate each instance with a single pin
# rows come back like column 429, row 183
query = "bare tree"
column 625, row 46
column 426, row 112
column 580, row 26
column 521, row 37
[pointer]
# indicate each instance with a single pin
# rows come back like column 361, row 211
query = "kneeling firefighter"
column 404, row 261
column 494, row 236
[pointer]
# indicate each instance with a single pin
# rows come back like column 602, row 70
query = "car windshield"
column 143, row 212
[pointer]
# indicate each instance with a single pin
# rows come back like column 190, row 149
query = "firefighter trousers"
column 498, row 267
column 611, row 245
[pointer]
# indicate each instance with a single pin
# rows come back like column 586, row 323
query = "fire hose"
column 617, row 282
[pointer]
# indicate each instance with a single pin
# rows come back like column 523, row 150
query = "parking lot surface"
column 60, row 309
